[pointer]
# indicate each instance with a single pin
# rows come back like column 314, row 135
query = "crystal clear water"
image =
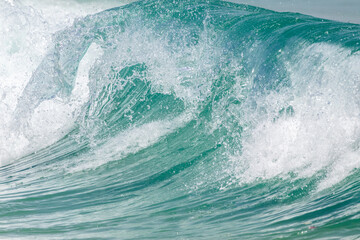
column 177, row 120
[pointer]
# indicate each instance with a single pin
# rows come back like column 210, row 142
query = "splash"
column 157, row 119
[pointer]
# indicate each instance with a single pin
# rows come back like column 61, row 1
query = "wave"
column 185, row 119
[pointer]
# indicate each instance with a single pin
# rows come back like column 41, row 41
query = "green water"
column 195, row 120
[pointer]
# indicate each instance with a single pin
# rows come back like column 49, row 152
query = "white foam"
column 80, row 93
column 186, row 72
column 24, row 44
column 26, row 29
column 52, row 119
column 130, row 141
column 324, row 131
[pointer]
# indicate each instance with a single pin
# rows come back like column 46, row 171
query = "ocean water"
column 344, row 10
column 185, row 119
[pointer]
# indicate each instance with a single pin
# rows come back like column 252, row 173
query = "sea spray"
column 185, row 119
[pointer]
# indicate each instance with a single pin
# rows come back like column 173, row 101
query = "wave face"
column 180, row 120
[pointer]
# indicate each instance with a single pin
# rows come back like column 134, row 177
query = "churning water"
column 177, row 120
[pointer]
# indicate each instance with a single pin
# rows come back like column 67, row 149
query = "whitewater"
column 185, row 119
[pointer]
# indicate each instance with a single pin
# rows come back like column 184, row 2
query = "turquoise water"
column 344, row 11
column 183, row 120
